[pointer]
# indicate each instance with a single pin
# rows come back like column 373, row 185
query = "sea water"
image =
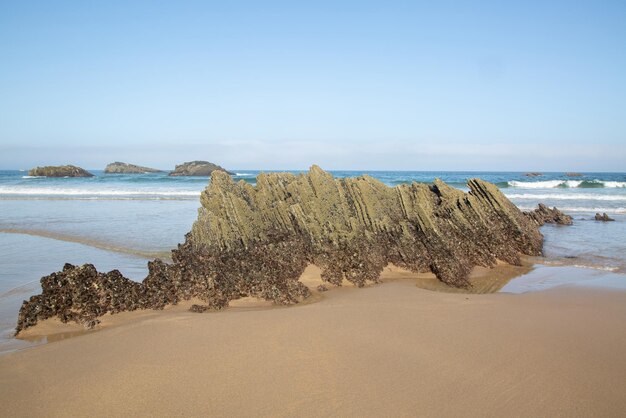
column 119, row 221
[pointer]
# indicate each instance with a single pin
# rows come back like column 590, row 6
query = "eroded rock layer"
column 257, row 240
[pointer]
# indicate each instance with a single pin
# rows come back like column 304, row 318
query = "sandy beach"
column 387, row 350
column 312, row 209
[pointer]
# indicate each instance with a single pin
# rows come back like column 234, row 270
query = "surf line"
column 165, row 255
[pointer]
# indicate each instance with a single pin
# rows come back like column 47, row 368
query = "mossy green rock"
column 59, row 171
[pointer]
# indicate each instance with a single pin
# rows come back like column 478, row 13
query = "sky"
column 485, row 86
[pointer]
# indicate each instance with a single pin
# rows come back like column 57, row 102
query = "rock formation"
column 257, row 240
column 603, row 218
column 197, row 168
column 544, row 215
column 533, row 174
column 125, row 168
column 81, row 294
column 59, row 171
column 574, row 174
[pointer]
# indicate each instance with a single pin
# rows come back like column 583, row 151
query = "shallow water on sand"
column 544, row 277
column 149, row 226
column 121, row 222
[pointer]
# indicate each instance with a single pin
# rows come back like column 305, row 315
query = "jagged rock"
column 604, row 217
column 533, row 174
column 544, row 215
column 59, row 171
column 322, row 288
column 81, row 294
column 125, row 168
column 257, row 241
column 574, row 174
column 197, row 168
column 352, row 227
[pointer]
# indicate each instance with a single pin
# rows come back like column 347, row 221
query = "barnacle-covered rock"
column 257, row 241
column 81, row 294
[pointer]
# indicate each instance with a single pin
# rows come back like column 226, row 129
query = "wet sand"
column 165, row 255
column 387, row 350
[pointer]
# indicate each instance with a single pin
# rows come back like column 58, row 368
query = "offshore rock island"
column 197, row 168
column 126, row 168
column 59, row 171
column 257, row 241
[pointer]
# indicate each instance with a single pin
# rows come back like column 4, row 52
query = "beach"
column 542, row 339
column 312, row 209
column 387, row 350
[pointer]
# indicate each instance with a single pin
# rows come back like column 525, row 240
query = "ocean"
column 118, row 221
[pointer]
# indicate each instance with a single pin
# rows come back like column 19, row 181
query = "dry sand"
column 388, row 350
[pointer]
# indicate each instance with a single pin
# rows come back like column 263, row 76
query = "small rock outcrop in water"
column 544, row 215
column 604, row 217
column 197, row 168
column 533, row 174
column 59, row 171
column 257, row 241
column 574, row 174
column 125, row 168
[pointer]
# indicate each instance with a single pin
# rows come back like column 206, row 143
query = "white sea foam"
column 590, row 265
column 601, row 268
column 551, row 184
column 613, row 183
column 565, row 196
column 548, row 184
column 32, row 177
column 566, row 209
column 244, row 174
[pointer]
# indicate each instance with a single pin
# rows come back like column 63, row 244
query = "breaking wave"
column 568, row 196
column 566, row 209
column 551, row 184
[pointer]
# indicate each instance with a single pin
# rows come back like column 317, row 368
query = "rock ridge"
column 257, row 240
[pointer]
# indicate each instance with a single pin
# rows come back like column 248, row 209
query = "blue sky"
column 360, row 85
